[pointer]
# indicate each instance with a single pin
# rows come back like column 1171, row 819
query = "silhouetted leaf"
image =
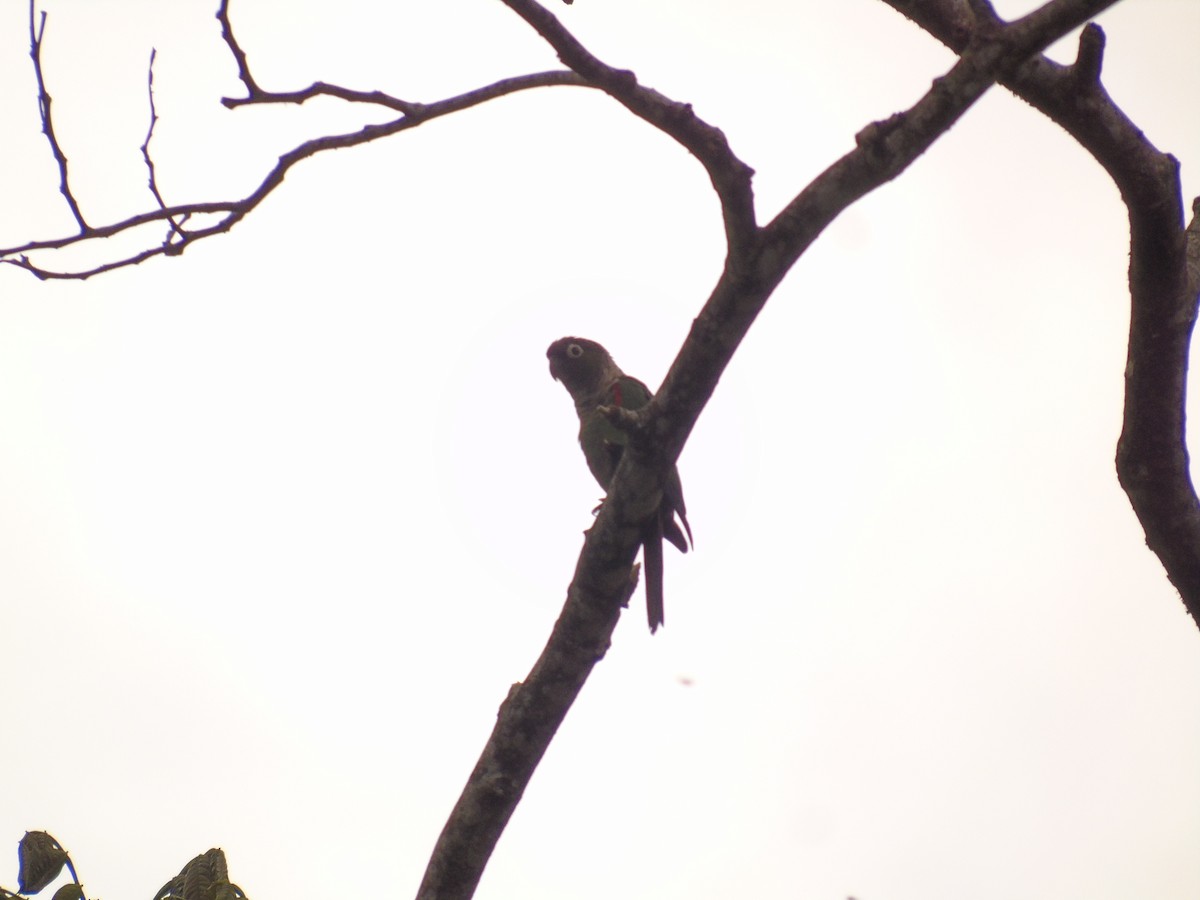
column 70, row 891
column 204, row 878
column 40, row 859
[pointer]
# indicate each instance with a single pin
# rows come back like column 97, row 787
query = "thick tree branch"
column 757, row 261
column 1152, row 457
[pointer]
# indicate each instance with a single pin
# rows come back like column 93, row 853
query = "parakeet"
column 594, row 380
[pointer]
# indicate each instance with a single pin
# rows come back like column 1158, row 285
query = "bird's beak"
column 553, row 369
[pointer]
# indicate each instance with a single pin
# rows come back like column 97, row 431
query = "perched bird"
column 593, row 380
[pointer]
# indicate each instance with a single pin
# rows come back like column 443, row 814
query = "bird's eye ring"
column 574, row 351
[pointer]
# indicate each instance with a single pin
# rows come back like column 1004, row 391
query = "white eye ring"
column 574, row 351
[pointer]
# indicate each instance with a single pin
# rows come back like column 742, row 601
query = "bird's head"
column 581, row 365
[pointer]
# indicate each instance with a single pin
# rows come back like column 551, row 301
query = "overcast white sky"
column 281, row 520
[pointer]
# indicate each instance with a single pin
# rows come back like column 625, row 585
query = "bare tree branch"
column 239, row 55
column 255, row 94
column 730, row 176
column 757, row 261
column 1152, row 456
column 36, row 35
column 233, row 211
column 176, row 228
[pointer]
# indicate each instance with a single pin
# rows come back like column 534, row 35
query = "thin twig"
column 239, row 55
column 323, row 89
column 36, row 35
column 177, row 239
column 176, row 227
column 235, row 210
column 255, row 94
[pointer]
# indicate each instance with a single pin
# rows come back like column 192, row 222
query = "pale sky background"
column 281, row 520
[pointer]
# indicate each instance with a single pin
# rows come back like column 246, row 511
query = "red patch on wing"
column 617, row 394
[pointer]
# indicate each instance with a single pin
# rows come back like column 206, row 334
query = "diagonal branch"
column 757, row 262
column 1152, row 456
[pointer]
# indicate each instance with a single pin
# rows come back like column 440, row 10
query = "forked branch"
column 176, row 236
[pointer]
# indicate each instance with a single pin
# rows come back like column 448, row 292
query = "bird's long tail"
column 652, row 555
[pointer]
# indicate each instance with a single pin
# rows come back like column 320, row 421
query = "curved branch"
column 1152, row 457
column 729, row 175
